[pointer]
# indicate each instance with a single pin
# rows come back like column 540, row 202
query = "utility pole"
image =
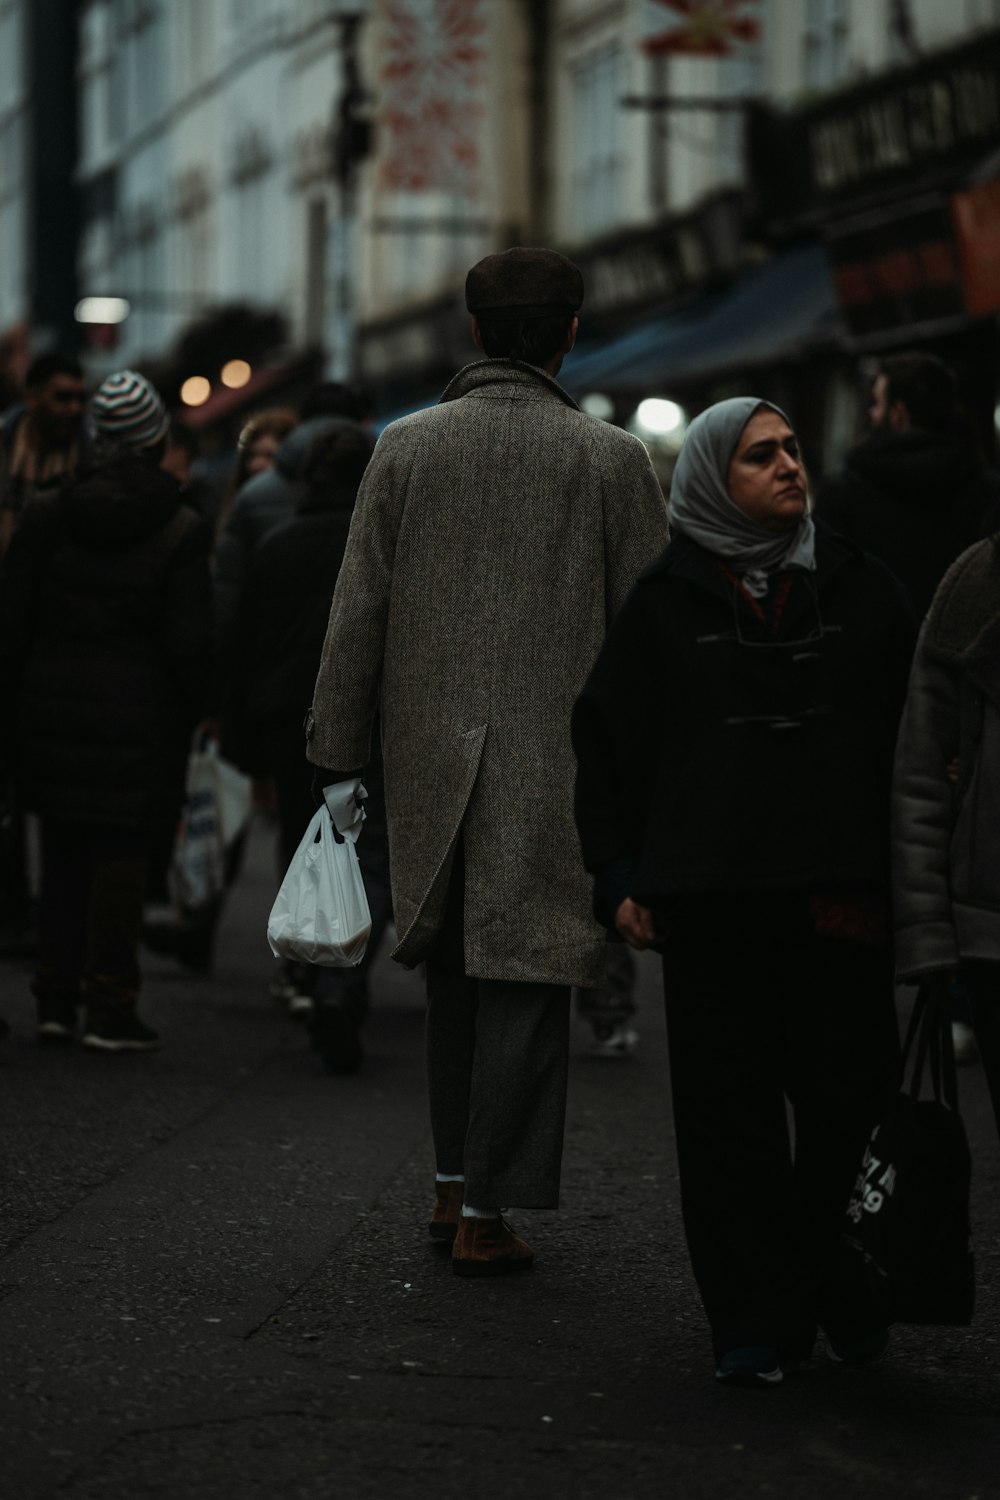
column 351, row 144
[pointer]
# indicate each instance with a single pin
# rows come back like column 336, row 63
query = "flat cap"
column 533, row 282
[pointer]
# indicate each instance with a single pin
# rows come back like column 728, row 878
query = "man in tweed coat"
column 494, row 538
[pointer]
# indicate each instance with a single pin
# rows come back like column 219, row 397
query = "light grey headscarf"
column 700, row 506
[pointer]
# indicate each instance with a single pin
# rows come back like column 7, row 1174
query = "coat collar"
column 500, row 377
column 685, row 559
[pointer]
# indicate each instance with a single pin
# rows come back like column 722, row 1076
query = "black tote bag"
column 906, row 1249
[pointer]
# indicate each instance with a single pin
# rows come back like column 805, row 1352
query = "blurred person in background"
column 105, row 659
column 916, row 493
column 258, row 502
column 285, row 608
column 609, row 1010
column 41, row 439
column 946, row 803
column 181, row 461
column 257, row 451
column 735, row 745
column 190, row 936
column 495, row 536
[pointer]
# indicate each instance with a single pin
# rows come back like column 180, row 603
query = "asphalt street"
column 215, row 1280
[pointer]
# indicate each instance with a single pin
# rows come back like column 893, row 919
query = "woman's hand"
column 635, row 923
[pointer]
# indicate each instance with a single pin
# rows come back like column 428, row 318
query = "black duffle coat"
column 106, row 646
column 719, row 753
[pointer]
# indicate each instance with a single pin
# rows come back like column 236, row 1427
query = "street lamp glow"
column 196, row 390
column 660, row 417
column 102, row 310
column 235, row 373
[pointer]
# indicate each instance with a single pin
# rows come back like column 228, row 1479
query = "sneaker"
column 862, row 1349
column 56, row 1020
column 758, row 1364
column 964, row 1042
column 124, row 1033
column 52, row 1029
column 614, row 1040
column 334, row 1034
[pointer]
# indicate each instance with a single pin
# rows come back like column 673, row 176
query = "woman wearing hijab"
column 735, row 745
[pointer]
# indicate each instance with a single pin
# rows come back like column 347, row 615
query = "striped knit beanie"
column 126, row 409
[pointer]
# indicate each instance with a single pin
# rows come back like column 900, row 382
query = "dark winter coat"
column 915, row 500
column 285, row 608
column 715, row 754
column 946, row 838
column 265, row 501
column 106, row 645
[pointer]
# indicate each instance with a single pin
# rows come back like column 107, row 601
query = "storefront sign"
column 897, row 268
column 912, row 124
column 976, row 215
column 641, row 271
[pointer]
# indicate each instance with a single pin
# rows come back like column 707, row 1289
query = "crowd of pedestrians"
column 762, row 739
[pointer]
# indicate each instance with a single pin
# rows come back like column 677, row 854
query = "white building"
column 207, row 177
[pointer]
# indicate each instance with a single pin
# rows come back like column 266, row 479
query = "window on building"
column 596, row 139
column 826, row 55
column 251, row 209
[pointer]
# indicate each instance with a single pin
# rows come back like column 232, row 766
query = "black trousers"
column 759, row 1011
column 93, row 887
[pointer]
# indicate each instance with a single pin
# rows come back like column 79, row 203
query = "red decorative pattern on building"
column 708, row 28
column 433, row 79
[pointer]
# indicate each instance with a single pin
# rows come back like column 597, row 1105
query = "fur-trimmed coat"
column 946, row 836
column 494, row 538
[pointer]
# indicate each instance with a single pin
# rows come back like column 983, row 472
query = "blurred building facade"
column 794, row 185
column 38, row 151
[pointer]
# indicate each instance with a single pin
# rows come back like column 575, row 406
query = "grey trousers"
column 497, row 1065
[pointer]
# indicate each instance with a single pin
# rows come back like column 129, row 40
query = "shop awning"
column 774, row 312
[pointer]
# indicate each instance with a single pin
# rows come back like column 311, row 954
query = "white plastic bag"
column 217, row 805
column 320, row 915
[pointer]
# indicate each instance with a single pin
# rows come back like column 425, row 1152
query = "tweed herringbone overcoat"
column 493, row 539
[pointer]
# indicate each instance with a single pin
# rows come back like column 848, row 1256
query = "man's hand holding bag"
column 320, row 914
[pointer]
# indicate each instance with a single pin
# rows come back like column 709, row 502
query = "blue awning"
column 774, row 311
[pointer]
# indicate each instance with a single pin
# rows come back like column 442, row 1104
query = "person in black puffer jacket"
column 735, row 746
column 106, row 658
column 285, row 608
column 916, row 493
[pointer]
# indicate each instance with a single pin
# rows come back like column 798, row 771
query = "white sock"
column 479, row 1213
column 450, row 1177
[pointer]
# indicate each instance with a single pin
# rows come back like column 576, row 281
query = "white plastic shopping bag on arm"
column 320, row 915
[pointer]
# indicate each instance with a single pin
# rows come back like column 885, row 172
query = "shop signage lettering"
column 907, row 129
column 914, row 127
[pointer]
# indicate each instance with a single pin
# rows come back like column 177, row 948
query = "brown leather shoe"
column 447, row 1211
column 488, row 1247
